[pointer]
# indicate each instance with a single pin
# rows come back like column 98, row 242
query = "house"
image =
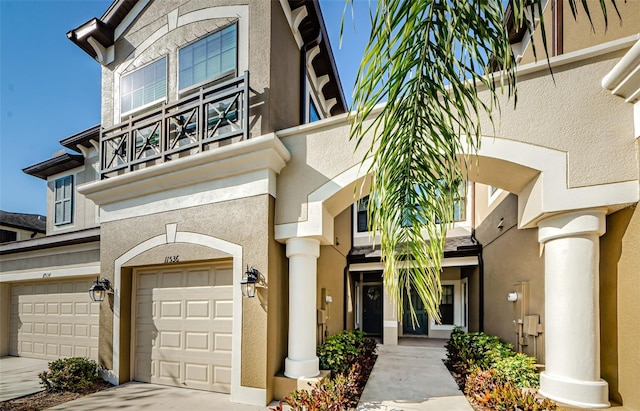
column 20, row 226
column 223, row 162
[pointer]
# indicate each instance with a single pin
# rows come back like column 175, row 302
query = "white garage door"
column 54, row 319
column 183, row 325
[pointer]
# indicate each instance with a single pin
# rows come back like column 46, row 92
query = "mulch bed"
column 43, row 400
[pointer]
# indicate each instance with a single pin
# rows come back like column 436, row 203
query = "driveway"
column 19, row 376
column 142, row 396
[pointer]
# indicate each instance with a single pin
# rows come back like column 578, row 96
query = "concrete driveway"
column 19, row 376
column 141, row 396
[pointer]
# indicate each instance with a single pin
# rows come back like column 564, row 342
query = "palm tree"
column 429, row 59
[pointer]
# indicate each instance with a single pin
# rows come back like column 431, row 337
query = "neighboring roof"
column 29, row 222
column 311, row 28
column 58, row 164
column 454, row 247
column 82, row 138
column 50, row 241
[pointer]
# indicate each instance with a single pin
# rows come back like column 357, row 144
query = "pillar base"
column 301, row 368
column 584, row 394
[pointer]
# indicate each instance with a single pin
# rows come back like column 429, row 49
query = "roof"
column 29, row 222
column 82, row 138
column 463, row 246
column 311, row 28
column 101, row 29
column 58, row 164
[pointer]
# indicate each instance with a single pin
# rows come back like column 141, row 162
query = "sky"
column 50, row 88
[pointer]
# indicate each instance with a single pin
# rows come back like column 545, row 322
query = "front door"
column 372, row 308
column 409, row 326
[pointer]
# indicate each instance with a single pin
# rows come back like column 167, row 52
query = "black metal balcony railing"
column 189, row 126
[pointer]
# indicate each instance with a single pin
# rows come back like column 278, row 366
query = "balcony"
column 212, row 117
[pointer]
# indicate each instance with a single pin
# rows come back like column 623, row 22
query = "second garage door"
column 52, row 319
column 183, row 326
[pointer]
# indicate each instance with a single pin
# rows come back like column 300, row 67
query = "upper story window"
column 7, row 236
column 143, row 87
column 314, row 114
column 63, row 200
column 208, row 58
column 363, row 223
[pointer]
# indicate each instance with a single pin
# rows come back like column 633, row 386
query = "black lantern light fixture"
column 248, row 284
column 100, row 288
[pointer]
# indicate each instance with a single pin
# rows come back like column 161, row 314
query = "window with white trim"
column 208, row 58
column 63, row 200
column 447, row 305
column 144, row 87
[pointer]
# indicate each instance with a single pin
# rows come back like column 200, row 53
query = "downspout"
column 303, row 75
column 480, row 260
column 346, row 278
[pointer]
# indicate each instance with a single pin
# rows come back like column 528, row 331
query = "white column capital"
column 572, row 224
column 303, row 246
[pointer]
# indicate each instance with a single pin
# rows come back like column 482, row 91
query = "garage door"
column 183, row 325
column 53, row 319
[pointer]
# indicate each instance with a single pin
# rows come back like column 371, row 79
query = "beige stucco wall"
column 511, row 256
column 578, row 32
column 593, row 128
column 620, row 305
column 278, row 303
column 84, row 210
column 244, row 222
column 331, row 275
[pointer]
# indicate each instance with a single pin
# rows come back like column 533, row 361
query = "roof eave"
column 55, row 165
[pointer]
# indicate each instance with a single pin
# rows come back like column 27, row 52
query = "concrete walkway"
column 412, row 378
column 19, row 376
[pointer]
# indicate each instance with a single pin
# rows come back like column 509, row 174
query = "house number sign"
column 172, row 259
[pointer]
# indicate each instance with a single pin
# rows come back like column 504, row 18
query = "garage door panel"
column 53, row 319
column 179, row 338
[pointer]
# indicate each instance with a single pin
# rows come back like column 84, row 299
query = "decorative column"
column 302, row 361
column 572, row 310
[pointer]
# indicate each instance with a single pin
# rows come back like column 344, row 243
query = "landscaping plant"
column 75, row 374
column 492, row 375
column 350, row 357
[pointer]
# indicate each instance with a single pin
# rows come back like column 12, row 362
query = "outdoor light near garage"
column 100, row 288
column 248, row 284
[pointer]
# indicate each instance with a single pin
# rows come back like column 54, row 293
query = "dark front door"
column 372, row 309
column 409, row 326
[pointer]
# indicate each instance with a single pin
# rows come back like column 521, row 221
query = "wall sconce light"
column 248, row 284
column 100, row 288
column 513, row 297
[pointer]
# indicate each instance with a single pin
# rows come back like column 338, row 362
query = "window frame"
column 62, row 201
column 151, row 103
column 223, row 75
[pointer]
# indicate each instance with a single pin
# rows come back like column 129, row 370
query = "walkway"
column 412, row 377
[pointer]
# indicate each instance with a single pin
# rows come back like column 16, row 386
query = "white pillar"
column 301, row 360
column 572, row 310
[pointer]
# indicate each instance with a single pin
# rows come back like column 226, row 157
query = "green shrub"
column 75, row 374
column 507, row 397
column 339, row 351
column 467, row 351
column 520, row 370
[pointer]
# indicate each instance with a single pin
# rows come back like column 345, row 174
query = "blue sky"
column 50, row 89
